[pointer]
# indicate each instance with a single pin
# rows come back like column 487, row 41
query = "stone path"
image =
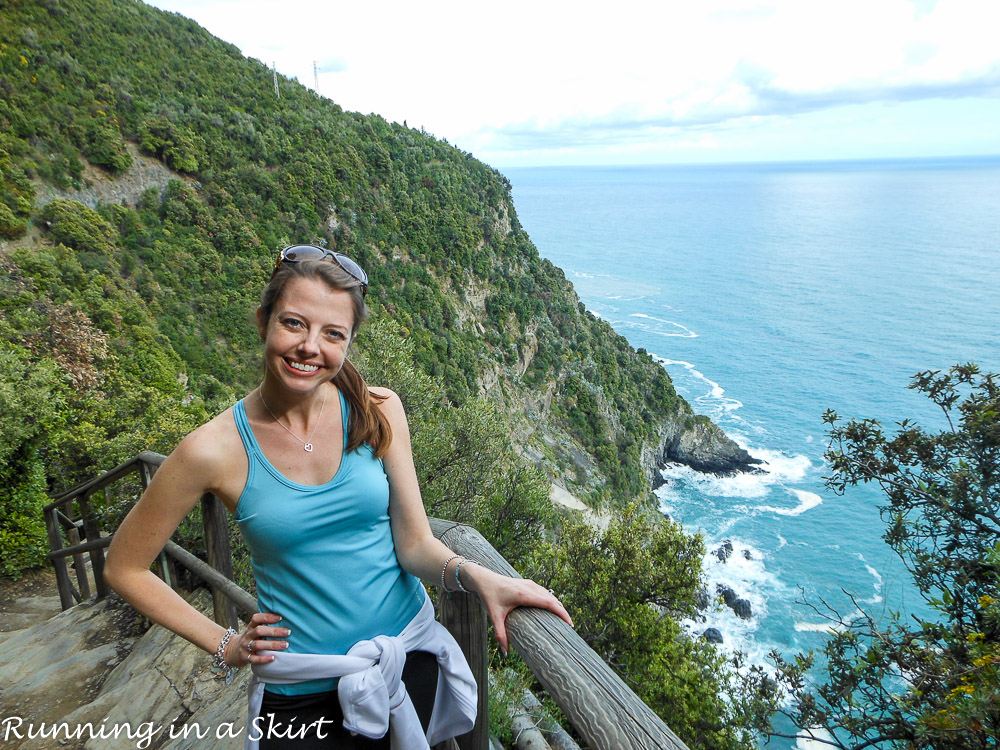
column 99, row 668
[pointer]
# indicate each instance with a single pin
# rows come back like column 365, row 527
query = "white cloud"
column 491, row 77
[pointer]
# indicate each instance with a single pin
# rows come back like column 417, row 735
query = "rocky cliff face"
column 700, row 444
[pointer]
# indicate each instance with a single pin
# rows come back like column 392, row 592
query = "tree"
column 920, row 682
column 626, row 587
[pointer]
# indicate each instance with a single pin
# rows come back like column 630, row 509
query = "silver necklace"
column 307, row 445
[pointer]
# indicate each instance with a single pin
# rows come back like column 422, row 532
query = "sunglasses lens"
column 352, row 268
column 301, row 253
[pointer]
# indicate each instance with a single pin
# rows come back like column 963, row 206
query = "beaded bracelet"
column 459, row 580
column 219, row 661
column 443, row 569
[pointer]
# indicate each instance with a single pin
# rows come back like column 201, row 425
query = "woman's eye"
column 292, row 322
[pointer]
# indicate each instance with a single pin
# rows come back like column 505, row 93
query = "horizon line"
column 757, row 162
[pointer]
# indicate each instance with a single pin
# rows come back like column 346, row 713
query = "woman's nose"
column 309, row 342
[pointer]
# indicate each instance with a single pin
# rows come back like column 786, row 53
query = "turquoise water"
column 772, row 293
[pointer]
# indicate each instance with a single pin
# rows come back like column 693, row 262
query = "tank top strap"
column 345, row 410
column 243, row 425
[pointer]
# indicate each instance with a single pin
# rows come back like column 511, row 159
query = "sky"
column 556, row 83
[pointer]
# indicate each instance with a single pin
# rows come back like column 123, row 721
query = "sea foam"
column 807, row 501
column 823, row 740
column 779, row 470
column 687, row 332
column 877, row 597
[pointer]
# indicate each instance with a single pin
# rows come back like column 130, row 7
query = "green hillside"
column 114, row 93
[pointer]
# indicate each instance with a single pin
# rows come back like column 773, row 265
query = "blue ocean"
column 771, row 293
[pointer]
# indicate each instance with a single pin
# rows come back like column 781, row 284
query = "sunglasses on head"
column 305, row 253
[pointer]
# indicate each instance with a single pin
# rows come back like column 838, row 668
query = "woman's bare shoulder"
column 211, row 447
column 386, row 400
column 382, row 392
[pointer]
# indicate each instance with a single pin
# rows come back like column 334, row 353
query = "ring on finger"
column 552, row 592
column 250, row 647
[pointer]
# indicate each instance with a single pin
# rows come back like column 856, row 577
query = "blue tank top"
column 322, row 555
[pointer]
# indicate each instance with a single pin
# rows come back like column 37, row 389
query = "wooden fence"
column 602, row 709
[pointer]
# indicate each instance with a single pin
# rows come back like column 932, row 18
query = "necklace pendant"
column 308, row 448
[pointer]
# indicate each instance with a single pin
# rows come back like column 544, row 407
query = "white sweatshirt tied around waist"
column 371, row 692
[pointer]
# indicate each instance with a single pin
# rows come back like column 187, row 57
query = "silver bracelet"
column 219, row 660
column 443, row 569
column 459, row 580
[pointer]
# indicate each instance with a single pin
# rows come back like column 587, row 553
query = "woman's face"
column 308, row 334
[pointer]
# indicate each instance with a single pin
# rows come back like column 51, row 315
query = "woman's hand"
column 500, row 594
column 251, row 646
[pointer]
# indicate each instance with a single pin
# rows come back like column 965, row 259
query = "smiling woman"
column 316, row 467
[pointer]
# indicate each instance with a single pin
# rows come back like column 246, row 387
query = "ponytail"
column 367, row 423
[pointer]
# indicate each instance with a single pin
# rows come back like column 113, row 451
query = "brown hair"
column 366, row 423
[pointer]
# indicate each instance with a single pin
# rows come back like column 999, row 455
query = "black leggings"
column 288, row 714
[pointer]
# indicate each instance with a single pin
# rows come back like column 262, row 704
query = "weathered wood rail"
column 602, row 709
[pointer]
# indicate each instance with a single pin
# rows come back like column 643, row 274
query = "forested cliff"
column 124, row 288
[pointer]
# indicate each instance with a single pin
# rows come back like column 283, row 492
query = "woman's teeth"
column 302, row 367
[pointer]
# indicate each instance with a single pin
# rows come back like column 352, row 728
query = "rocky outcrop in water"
column 742, row 609
column 724, row 551
column 712, row 635
column 702, row 445
column 740, row 606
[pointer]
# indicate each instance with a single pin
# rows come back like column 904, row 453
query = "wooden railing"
column 601, row 707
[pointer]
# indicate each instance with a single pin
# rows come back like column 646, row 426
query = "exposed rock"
column 734, row 601
column 126, row 188
column 529, row 737
column 560, row 496
column 52, row 667
column 697, row 442
column 747, row 555
column 656, row 479
column 742, row 609
column 87, row 665
column 712, row 635
column 728, row 595
column 724, row 551
column 702, row 601
column 28, row 600
column 557, row 737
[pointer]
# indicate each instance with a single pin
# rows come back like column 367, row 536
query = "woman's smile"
column 302, row 367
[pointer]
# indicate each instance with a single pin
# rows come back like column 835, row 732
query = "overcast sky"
column 541, row 83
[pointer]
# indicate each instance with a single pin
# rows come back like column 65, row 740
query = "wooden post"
column 59, row 563
column 93, row 532
column 81, row 567
column 465, row 618
column 167, row 570
column 146, row 471
column 220, row 556
column 166, row 573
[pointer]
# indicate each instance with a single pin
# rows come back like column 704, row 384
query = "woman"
column 317, row 469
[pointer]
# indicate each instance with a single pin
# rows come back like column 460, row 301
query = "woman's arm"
column 422, row 554
column 187, row 474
